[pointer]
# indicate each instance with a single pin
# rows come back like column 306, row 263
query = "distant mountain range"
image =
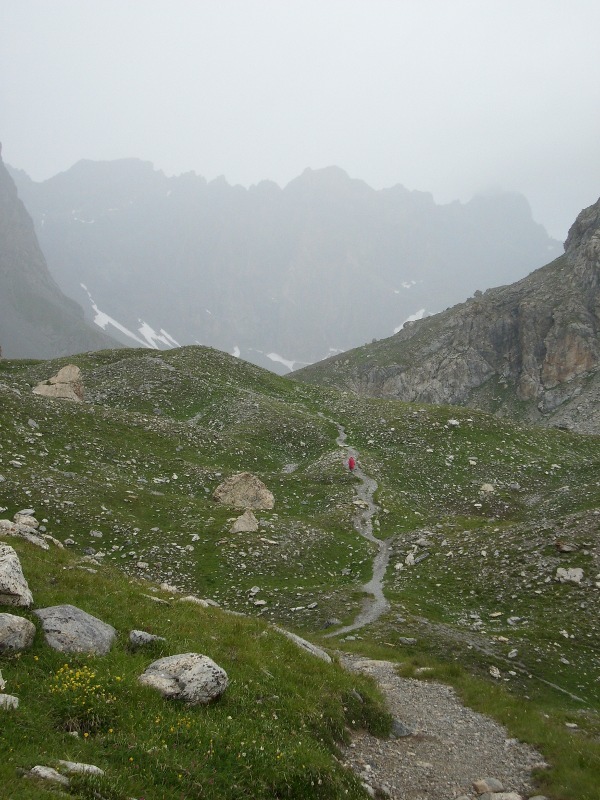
column 530, row 351
column 36, row 319
column 280, row 277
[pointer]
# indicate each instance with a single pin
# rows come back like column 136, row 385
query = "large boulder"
column 68, row 629
column 66, row 384
column 191, row 677
column 244, row 490
column 16, row 633
column 14, row 590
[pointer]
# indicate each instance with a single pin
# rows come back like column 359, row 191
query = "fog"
column 449, row 97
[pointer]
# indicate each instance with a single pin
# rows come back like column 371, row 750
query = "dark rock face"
column 531, row 349
column 36, row 319
column 322, row 265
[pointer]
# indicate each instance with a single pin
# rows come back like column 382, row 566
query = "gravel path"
column 450, row 745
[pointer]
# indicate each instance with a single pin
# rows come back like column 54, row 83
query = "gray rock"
column 406, row 640
column 16, row 633
column 244, row 490
column 8, row 702
column 47, row 774
column 8, row 528
column 191, row 598
column 400, row 730
column 569, row 575
column 141, row 638
column 65, row 385
column 483, row 785
column 77, row 768
column 68, row 629
column 14, row 590
column 191, row 677
column 247, row 523
column 26, row 518
column 308, row 646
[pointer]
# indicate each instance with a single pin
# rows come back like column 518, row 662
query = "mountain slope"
column 283, row 277
column 36, row 319
column 530, row 350
column 479, row 517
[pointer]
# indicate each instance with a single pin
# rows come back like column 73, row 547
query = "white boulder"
column 14, row 590
column 191, row 677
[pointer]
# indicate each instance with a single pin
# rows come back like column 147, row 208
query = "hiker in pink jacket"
column 351, row 463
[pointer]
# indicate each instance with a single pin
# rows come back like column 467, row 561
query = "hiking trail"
column 375, row 604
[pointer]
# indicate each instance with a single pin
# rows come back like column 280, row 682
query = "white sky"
column 447, row 96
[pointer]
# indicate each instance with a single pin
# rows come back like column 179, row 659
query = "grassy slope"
column 163, row 431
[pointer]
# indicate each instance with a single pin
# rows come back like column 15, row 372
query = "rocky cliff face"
column 531, row 349
column 36, row 319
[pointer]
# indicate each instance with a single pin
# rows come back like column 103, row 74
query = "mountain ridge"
column 530, row 349
column 279, row 275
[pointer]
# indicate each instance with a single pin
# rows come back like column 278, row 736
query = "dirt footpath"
column 449, row 746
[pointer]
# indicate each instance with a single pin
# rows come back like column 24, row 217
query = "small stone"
column 16, row 633
column 8, row 702
column 400, row 730
column 569, row 575
column 47, row 774
column 141, row 638
column 483, row 785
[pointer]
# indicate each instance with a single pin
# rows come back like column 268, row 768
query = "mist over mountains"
column 36, row 319
column 280, row 276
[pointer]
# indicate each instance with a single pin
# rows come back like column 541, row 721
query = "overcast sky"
column 448, row 96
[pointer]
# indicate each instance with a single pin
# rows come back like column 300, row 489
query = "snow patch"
column 103, row 320
column 281, row 360
column 413, row 318
column 152, row 337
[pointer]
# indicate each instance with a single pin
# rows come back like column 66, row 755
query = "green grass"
column 271, row 735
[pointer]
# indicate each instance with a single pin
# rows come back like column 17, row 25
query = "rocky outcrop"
column 66, row 384
column 531, row 349
column 191, row 677
column 14, row 590
column 244, row 490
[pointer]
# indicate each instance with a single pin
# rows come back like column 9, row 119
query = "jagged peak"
column 586, row 226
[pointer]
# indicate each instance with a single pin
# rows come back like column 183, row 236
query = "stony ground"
column 449, row 747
